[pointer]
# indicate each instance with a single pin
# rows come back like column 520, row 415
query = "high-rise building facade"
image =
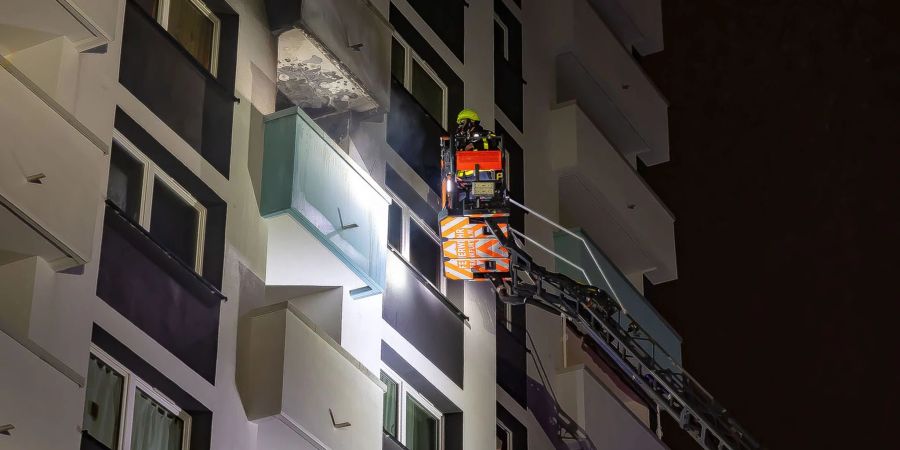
column 219, row 223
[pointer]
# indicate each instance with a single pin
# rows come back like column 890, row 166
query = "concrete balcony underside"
column 595, row 70
column 300, row 386
column 601, row 193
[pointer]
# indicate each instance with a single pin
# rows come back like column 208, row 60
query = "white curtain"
column 103, row 403
column 154, row 427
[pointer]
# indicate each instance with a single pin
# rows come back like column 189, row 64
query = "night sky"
column 784, row 180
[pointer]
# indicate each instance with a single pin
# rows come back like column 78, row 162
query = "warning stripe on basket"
column 456, row 227
column 453, row 272
column 480, row 265
column 474, row 248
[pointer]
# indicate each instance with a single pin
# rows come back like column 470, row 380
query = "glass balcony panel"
column 306, row 175
column 638, row 307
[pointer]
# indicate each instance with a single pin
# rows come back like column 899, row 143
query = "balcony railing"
column 639, row 309
column 307, row 176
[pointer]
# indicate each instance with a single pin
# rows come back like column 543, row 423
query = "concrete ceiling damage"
column 311, row 77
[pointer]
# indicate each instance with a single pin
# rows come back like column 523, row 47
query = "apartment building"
column 219, row 222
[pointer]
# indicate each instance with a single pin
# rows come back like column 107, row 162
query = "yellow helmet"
column 465, row 114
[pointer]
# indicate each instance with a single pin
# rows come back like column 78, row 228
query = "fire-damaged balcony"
column 327, row 218
column 625, row 218
column 302, row 388
column 595, row 70
column 333, row 60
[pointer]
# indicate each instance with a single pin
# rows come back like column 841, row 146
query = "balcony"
column 333, row 55
column 28, row 23
column 637, row 23
column 595, row 70
column 605, row 419
column 52, row 173
column 601, row 192
column 639, row 309
column 302, row 388
column 327, row 217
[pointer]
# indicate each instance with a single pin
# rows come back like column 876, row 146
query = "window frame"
column 404, row 391
column 150, row 173
column 505, row 29
column 131, row 384
column 163, row 8
column 409, row 56
column 407, row 217
column 509, row 435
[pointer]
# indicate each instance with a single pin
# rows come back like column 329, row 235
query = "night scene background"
column 785, row 138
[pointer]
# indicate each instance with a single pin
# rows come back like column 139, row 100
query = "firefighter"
column 470, row 135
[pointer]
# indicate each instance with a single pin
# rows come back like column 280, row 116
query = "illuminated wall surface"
column 306, row 175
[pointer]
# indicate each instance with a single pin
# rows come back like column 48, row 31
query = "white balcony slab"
column 594, row 69
column 52, row 176
column 301, row 386
column 608, row 422
column 601, row 193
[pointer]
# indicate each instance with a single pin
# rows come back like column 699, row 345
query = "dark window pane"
column 390, row 405
column 193, row 29
column 503, row 439
column 103, row 403
column 421, row 427
column 398, row 59
column 424, row 253
column 499, row 42
column 125, row 179
column 427, row 92
column 173, row 222
column 395, row 226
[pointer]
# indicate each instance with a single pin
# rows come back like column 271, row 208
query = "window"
column 154, row 200
column 416, row 242
column 120, row 409
column 415, row 422
column 501, row 38
column 420, row 80
column 425, row 253
column 504, row 437
column 194, row 26
column 395, row 226
column 391, row 404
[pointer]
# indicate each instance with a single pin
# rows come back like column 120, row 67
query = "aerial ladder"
column 480, row 245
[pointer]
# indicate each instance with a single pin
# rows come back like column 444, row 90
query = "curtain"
column 421, row 427
column 103, row 403
column 390, row 406
column 154, row 427
column 192, row 29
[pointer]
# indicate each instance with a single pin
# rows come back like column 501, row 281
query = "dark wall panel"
column 195, row 104
column 424, row 320
column 157, row 294
column 516, row 177
column 412, row 376
column 448, row 20
column 418, row 205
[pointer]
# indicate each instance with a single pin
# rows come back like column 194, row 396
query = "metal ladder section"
column 603, row 318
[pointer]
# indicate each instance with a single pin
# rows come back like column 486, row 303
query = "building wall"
column 52, row 313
